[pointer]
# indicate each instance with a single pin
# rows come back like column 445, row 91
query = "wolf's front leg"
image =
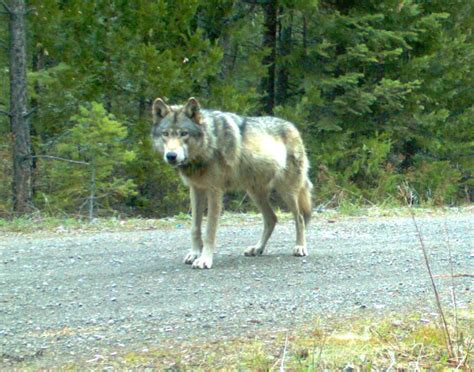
column 204, row 261
column 198, row 204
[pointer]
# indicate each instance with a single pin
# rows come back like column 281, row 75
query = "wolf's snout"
column 171, row 156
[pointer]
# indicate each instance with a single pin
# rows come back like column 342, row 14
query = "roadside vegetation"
column 39, row 222
column 407, row 342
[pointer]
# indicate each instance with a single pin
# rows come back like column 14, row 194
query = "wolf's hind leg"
column 291, row 200
column 198, row 204
column 269, row 221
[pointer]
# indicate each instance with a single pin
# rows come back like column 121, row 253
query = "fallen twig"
column 448, row 276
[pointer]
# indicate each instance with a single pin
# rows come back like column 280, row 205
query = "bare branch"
column 7, row 8
column 59, row 158
column 463, row 276
column 448, row 276
column 447, row 336
column 26, row 115
column 6, row 113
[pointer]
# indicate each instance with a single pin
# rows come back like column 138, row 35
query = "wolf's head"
column 177, row 131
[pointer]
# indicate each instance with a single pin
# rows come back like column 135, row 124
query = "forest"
column 382, row 92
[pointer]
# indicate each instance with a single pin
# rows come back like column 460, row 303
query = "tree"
column 381, row 90
column 94, row 152
column 284, row 51
column 18, row 113
column 380, row 95
column 270, row 9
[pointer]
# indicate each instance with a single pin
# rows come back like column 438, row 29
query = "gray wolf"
column 215, row 152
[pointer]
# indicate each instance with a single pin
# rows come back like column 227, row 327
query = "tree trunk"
column 229, row 47
column 38, row 63
column 22, row 166
column 284, row 50
column 92, row 192
column 269, row 42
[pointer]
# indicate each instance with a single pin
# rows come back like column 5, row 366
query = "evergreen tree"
column 94, row 155
column 362, row 81
column 382, row 91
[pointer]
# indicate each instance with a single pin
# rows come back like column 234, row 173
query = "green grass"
column 402, row 343
column 41, row 223
column 61, row 225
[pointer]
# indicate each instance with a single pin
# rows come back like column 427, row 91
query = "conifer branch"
column 6, row 113
column 7, row 8
column 239, row 15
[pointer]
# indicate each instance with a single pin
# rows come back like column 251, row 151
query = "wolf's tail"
column 304, row 201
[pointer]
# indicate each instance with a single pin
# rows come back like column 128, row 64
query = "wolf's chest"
column 213, row 177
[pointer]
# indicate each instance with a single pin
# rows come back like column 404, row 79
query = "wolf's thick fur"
column 216, row 151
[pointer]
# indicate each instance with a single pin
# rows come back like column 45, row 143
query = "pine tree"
column 97, row 153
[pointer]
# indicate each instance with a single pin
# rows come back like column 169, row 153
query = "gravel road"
column 70, row 297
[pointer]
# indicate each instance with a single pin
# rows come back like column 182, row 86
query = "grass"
column 400, row 343
column 41, row 223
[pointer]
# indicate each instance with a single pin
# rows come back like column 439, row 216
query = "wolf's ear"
column 191, row 109
column 159, row 109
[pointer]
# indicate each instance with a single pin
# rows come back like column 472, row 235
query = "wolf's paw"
column 253, row 251
column 190, row 257
column 300, row 251
column 202, row 262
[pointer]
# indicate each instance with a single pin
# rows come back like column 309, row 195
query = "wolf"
column 215, row 152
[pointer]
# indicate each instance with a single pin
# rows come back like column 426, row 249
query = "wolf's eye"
column 165, row 134
column 183, row 133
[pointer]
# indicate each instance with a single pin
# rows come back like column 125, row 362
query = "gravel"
column 73, row 297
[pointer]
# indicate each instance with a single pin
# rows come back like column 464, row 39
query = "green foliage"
column 435, row 181
column 94, row 143
column 382, row 92
column 380, row 101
